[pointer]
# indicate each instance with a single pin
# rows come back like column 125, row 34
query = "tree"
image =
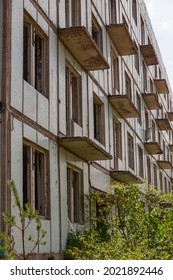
column 26, row 216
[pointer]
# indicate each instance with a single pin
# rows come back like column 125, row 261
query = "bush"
column 125, row 227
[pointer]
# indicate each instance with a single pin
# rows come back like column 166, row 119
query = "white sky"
column 161, row 15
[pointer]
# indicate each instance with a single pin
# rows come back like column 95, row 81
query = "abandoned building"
column 84, row 101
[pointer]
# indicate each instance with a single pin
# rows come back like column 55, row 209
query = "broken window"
column 130, row 152
column 128, row 89
column 35, row 56
column 73, row 12
column 134, row 10
column 75, row 195
column 73, row 98
column 113, row 17
column 142, row 32
column 35, row 178
column 98, row 115
column 139, row 107
column 148, row 170
column 140, row 162
column 97, row 33
column 155, row 175
column 115, row 74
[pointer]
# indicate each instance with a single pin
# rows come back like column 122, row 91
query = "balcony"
column 153, row 148
column 163, row 124
column 149, row 54
column 161, row 86
column 171, row 147
column 124, row 106
column 170, row 116
column 126, row 177
column 151, row 101
column 84, row 148
column 82, row 46
column 164, row 164
column 121, row 38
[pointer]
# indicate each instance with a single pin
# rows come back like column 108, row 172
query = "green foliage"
column 26, row 216
column 124, row 227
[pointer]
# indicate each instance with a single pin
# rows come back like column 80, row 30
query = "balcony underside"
column 124, row 106
column 149, row 54
column 170, row 116
column 153, row 148
column 164, row 164
column 82, row 46
column 151, row 101
column 121, row 38
column 163, row 124
column 125, row 177
column 84, row 148
column 161, row 86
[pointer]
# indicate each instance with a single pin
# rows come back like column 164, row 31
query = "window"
column 149, row 170
column 113, row 18
column 134, row 10
column 130, row 152
column 155, row 175
column 117, row 141
column 73, row 12
column 169, row 187
column 128, row 86
column 139, row 108
column 153, row 131
column 73, row 98
column 98, row 115
column 35, row 56
column 140, row 162
column 151, row 86
column 96, row 32
column 75, row 195
column 166, row 190
column 115, row 74
column 161, row 181
column 142, row 32
column 144, row 78
column 35, row 178
column 136, row 58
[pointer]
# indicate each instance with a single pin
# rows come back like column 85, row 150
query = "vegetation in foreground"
column 125, row 227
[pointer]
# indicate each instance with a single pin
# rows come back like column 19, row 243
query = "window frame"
column 73, row 97
column 140, row 162
column 73, row 13
column 130, row 148
column 36, row 169
column 97, row 33
column 30, row 53
column 115, row 73
column 75, row 194
column 98, row 119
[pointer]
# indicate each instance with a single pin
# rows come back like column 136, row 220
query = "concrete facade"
column 96, row 107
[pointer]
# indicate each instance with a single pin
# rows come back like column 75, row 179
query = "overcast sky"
column 161, row 15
